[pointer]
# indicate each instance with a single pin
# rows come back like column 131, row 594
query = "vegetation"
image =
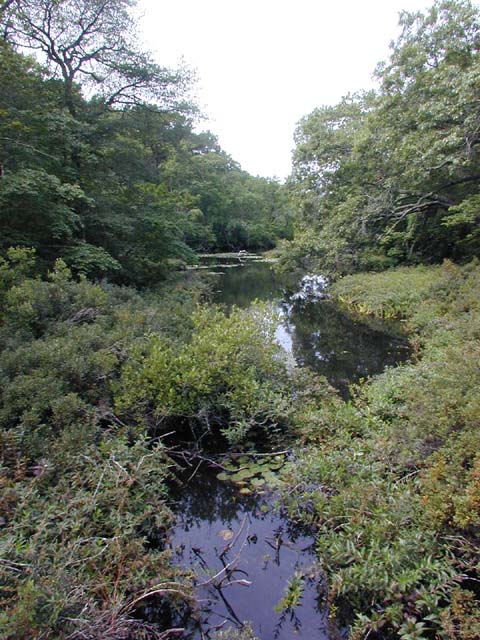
column 224, row 379
column 391, row 176
column 389, row 481
column 84, row 510
column 117, row 184
column 105, row 186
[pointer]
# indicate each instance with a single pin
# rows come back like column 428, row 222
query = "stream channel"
column 220, row 525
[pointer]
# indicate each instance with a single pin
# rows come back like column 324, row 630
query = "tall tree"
column 92, row 42
column 397, row 180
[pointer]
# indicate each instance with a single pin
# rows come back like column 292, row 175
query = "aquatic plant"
column 253, row 473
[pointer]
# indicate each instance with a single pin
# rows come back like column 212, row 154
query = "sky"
column 264, row 64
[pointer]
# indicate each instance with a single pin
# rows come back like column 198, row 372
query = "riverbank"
column 390, row 481
column 96, row 378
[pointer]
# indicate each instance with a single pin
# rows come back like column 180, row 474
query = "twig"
column 235, row 538
column 98, row 485
column 159, row 591
column 220, row 625
column 227, row 567
column 409, row 475
column 244, row 583
column 169, row 632
column 195, row 471
column 258, row 455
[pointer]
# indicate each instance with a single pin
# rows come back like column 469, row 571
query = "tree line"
column 391, row 176
column 101, row 163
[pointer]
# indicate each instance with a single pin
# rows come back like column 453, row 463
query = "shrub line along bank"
column 391, row 480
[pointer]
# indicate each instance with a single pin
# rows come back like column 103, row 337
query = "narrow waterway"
column 246, row 554
column 313, row 330
column 219, row 527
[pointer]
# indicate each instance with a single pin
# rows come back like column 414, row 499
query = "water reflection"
column 243, row 550
column 319, row 335
column 253, row 552
column 315, row 332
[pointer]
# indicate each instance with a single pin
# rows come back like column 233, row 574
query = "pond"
column 246, row 554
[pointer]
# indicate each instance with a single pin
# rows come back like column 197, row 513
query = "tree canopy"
column 392, row 176
column 100, row 162
column 92, row 42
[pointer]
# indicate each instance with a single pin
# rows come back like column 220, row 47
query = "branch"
column 29, row 146
column 86, row 30
column 225, row 570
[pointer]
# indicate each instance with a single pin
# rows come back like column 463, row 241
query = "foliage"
column 293, row 593
column 95, row 42
column 226, row 377
column 391, row 177
column 83, row 495
column 125, row 191
column 389, row 481
column 83, row 505
column 246, row 633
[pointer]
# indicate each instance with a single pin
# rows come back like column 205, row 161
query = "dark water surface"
column 266, row 553
column 315, row 333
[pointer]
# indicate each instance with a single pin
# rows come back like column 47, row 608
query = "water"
column 266, row 552
column 313, row 330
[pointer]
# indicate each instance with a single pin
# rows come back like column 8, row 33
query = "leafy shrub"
column 390, row 481
column 223, row 379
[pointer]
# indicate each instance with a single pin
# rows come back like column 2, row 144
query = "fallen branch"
column 227, row 568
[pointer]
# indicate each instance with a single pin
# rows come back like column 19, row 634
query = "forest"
column 116, row 366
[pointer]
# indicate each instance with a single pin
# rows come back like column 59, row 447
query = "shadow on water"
column 262, row 554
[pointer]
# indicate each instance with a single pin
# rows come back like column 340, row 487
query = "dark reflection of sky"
column 208, row 507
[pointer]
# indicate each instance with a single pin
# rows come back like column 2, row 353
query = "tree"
column 92, row 42
column 394, row 177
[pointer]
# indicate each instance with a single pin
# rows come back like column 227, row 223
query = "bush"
column 223, row 380
column 390, row 481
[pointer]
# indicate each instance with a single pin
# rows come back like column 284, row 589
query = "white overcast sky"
column 263, row 64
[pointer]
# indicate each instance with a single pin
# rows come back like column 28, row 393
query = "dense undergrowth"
column 91, row 376
column 391, row 480
column 95, row 376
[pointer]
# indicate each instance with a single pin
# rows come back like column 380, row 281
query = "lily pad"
column 229, row 465
column 275, row 466
column 271, row 478
column 243, row 474
column 223, row 476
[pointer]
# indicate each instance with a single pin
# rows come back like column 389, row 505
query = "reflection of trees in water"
column 322, row 337
column 241, row 285
column 336, row 345
column 207, row 499
column 266, row 550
